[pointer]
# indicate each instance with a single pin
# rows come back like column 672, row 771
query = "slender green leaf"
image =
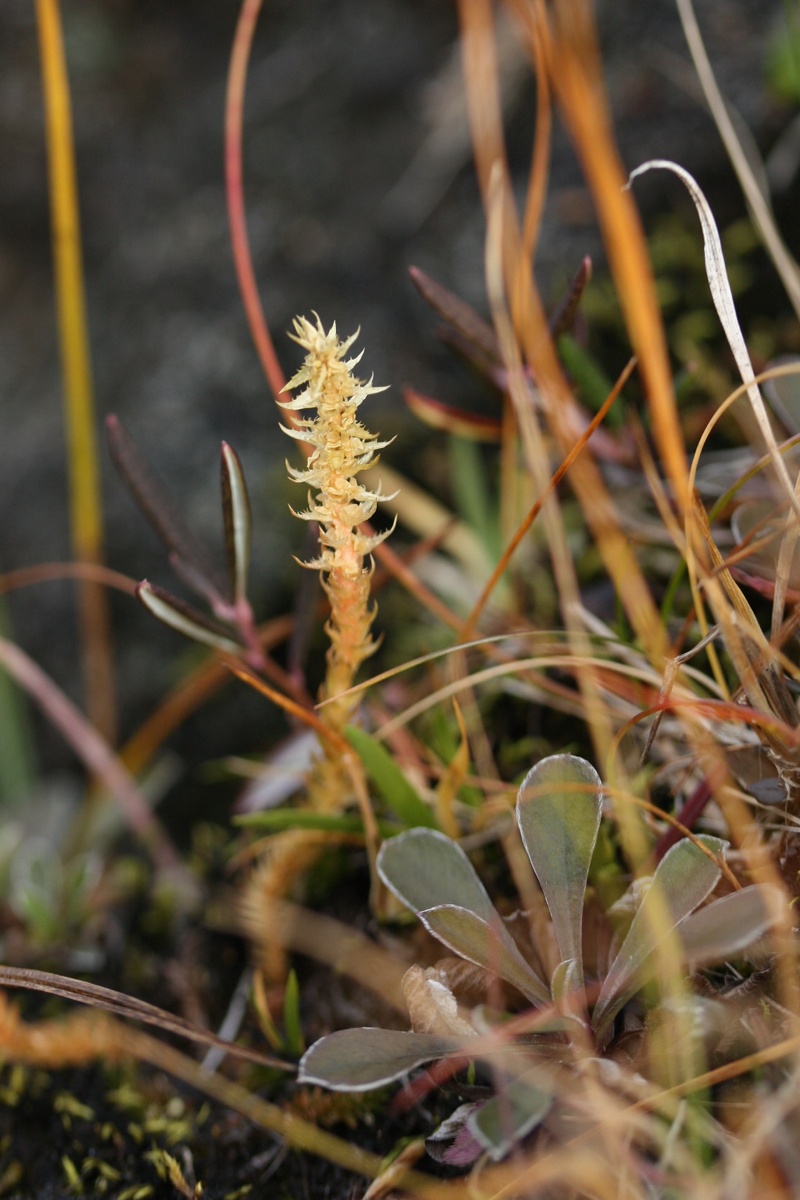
column 355, row 1060
column 17, row 753
column 593, row 384
column 472, row 499
column 682, row 880
column 274, row 820
column 487, row 945
column 291, row 1015
column 559, row 807
column 390, row 781
column 424, row 869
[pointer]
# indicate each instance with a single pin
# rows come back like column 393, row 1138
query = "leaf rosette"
column 559, row 811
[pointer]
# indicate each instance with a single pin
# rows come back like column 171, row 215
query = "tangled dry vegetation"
column 586, row 786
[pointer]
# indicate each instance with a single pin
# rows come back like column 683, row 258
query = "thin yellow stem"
column 84, row 481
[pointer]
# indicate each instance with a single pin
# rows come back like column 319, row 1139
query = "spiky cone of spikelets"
column 342, row 449
column 339, row 503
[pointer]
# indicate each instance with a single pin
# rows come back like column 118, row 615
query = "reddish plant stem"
column 234, row 110
column 95, row 753
column 687, row 817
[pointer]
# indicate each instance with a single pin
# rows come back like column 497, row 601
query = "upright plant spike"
column 342, row 448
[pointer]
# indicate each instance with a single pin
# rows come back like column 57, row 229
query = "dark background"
column 350, row 176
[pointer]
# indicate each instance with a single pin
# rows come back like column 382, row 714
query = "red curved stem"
column 234, row 109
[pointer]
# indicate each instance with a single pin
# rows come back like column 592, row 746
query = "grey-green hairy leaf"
column 559, row 807
column 486, row 945
column 730, row 924
column 502, row 1121
column 683, row 879
column 424, row 869
column 356, row 1060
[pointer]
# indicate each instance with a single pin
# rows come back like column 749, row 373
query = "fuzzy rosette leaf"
column 487, row 945
column 501, row 1123
column 431, row 874
column 729, row 925
column 424, row 869
column 357, row 1060
column 559, row 807
column 683, row 879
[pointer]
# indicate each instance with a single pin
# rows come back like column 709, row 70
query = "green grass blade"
column 383, row 771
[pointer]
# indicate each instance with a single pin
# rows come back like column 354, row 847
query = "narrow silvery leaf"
column 236, row 513
column 487, row 945
column 355, row 1060
column 502, row 1121
column 559, row 807
column 683, row 879
column 424, row 868
column 173, row 612
column 726, row 310
column 728, row 925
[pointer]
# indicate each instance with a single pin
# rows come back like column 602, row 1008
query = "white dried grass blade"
column 726, row 310
column 758, row 202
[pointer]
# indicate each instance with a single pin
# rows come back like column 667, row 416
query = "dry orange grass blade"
column 48, row 572
column 509, row 275
column 576, row 76
column 531, row 330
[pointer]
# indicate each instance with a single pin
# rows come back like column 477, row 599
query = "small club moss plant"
column 342, row 449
